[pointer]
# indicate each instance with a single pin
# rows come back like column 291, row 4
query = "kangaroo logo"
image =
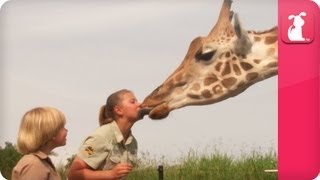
column 295, row 30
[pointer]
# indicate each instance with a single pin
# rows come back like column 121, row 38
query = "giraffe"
column 221, row 65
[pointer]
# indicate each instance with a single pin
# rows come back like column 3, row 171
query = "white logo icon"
column 295, row 30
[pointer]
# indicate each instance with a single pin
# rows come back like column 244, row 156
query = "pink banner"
column 299, row 46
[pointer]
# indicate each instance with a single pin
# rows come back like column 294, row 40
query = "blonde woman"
column 41, row 130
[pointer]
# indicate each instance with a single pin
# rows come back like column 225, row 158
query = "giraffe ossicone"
column 216, row 67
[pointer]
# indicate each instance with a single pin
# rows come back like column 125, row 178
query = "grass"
column 211, row 166
column 215, row 166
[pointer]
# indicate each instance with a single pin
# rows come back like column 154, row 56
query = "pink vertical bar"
column 298, row 133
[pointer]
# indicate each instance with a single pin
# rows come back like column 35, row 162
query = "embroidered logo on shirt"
column 88, row 150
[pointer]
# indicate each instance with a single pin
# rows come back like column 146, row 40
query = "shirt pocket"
column 112, row 161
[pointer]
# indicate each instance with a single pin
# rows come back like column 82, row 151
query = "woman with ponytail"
column 110, row 151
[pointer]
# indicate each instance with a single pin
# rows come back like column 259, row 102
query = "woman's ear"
column 118, row 110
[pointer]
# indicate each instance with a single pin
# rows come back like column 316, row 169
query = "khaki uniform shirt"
column 105, row 148
column 36, row 166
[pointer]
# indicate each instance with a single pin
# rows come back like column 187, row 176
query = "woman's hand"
column 121, row 170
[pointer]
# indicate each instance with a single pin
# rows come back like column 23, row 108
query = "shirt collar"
column 40, row 154
column 118, row 134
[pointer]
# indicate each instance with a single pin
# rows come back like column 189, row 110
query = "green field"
column 211, row 165
column 215, row 166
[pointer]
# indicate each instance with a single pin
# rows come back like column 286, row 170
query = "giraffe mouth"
column 157, row 112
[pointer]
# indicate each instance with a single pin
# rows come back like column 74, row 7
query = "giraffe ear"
column 243, row 44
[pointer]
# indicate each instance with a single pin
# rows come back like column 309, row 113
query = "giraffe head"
column 216, row 67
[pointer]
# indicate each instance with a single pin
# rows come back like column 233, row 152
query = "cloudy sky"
column 71, row 54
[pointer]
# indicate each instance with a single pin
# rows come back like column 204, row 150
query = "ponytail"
column 103, row 116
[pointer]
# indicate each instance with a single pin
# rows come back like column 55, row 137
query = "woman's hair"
column 38, row 126
column 106, row 114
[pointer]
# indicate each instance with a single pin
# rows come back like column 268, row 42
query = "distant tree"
column 9, row 157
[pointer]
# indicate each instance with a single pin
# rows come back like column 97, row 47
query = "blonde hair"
column 106, row 114
column 38, row 126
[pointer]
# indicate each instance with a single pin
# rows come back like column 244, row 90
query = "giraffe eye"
column 205, row 55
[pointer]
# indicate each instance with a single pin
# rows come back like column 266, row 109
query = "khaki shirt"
column 37, row 166
column 105, row 148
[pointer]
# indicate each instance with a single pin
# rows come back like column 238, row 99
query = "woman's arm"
column 79, row 170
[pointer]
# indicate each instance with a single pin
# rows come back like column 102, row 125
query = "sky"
column 71, row 54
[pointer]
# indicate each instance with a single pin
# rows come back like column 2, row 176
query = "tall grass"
column 209, row 166
column 215, row 166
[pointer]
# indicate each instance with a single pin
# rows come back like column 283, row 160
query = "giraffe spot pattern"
column 193, row 96
column 218, row 66
column 227, row 69
column 257, row 61
column 206, row 94
column 257, row 39
column 227, row 83
column 228, row 54
column 217, row 89
column 270, row 39
column 252, row 76
column 241, row 84
column 246, row 66
column 234, row 58
column 236, row 69
column 210, row 80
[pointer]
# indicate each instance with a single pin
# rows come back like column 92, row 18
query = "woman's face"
column 129, row 106
column 61, row 138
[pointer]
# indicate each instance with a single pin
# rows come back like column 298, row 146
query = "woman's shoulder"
column 104, row 130
column 29, row 159
column 28, row 163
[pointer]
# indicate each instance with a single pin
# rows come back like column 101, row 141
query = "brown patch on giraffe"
column 206, row 93
column 193, row 96
column 228, row 54
column 211, row 79
column 234, row 58
column 195, row 87
column 236, row 69
column 270, row 39
column 218, row 66
column 246, row 66
column 227, row 83
column 241, row 84
column 217, row 89
column 257, row 39
column 257, row 61
column 271, row 51
column 227, row 69
column 252, row 76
